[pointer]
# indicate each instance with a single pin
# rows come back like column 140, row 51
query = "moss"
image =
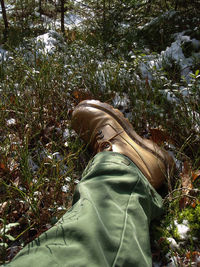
column 193, row 217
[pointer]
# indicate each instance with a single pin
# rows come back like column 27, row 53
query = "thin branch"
column 192, row 190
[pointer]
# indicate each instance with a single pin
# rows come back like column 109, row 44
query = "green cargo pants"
column 108, row 224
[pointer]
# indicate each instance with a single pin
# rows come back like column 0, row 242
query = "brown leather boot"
column 106, row 129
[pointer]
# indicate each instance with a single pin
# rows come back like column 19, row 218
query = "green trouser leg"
column 108, row 224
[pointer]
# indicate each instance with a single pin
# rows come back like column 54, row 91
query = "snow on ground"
column 9, row 7
column 9, row 10
column 2, row 54
column 51, row 40
column 48, row 42
column 167, row 15
column 11, row 122
column 71, row 21
column 182, row 229
column 172, row 243
column 174, row 260
column 175, row 52
column 172, row 54
column 122, row 102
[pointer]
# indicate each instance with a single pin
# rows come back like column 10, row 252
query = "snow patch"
column 3, row 54
column 66, row 134
column 11, row 122
column 172, row 243
column 173, row 53
column 49, row 41
column 122, row 102
column 57, row 156
column 166, row 15
column 119, row 100
column 174, row 260
column 182, row 228
column 32, row 165
column 72, row 20
column 65, row 188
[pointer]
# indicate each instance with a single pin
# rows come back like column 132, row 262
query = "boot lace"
column 104, row 145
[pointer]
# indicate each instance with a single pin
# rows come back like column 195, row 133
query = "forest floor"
column 151, row 74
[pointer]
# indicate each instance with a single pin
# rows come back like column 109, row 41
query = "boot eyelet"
column 100, row 137
column 105, row 146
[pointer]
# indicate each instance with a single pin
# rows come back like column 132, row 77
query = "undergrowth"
column 41, row 158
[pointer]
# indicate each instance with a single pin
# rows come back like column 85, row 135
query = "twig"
column 195, row 190
column 183, row 195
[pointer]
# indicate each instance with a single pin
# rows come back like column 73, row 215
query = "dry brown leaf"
column 73, row 36
column 3, row 166
column 3, row 207
column 186, row 175
column 193, row 204
column 186, row 182
column 159, row 136
column 13, row 99
column 193, row 255
column 81, row 95
column 195, row 175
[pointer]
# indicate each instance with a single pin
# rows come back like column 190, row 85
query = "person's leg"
column 108, row 224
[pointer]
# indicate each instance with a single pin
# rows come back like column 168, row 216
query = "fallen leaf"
column 2, row 166
column 195, row 175
column 159, row 136
column 13, row 99
column 3, row 207
column 81, row 95
column 73, row 36
column 186, row 175
column 192, row 255
column 186, row 182
column 193, row 204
